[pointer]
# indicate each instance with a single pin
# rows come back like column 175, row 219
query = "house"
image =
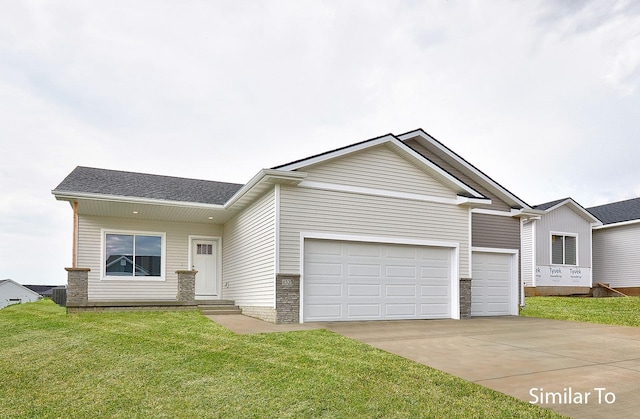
column 13, row 293
column 395, row 227
column 558, row 249
column 616, row 245
column 43, row 290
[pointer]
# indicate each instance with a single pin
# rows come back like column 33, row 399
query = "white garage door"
column 492, row 284
column 375, row 281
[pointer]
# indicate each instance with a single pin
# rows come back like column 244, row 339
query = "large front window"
column 133, row 255
column 563, row 250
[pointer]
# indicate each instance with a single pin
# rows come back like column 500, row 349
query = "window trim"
column 564, row 250
column 103, row 255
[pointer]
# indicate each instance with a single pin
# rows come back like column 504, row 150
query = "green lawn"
column 624, row 311
column 180, row 364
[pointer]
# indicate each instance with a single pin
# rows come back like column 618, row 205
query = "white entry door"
column 204, row 259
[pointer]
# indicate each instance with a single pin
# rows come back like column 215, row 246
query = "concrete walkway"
column 530, row 359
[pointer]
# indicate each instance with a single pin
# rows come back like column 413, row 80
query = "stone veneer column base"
column 186, row 286
column 465, row 298
column 287, row 298
column 77, row 285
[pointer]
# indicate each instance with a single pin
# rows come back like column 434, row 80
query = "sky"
column 543, row 96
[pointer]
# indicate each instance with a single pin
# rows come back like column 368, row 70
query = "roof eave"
column 500, row 190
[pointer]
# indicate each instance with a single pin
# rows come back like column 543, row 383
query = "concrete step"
column 220, row 312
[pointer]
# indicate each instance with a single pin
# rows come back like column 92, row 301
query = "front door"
column 204, row 255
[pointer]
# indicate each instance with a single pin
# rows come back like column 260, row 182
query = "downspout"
column 74, row 250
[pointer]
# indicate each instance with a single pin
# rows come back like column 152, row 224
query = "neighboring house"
column 13, row 293
column 389, row 228
column 616, row 245
column 560, row 247
column 43, row 290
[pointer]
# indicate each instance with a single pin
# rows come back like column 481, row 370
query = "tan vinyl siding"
column 563, row 220
column 90, row 251
column 438, row 157
column 307, row 210
column 616, row 253
column 378, row 168
column 495, row 231
column 249, row 255
column 527, row 253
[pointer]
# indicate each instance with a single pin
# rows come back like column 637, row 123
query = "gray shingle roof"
column 548, row 205
column 617, row 212
column 141, row 185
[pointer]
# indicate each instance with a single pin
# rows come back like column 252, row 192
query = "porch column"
column 465, row 298
column 187, row 286
column 77, row 285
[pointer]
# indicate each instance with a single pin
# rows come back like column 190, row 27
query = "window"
column 133, row 255
column 564, row 250
column 204, row 249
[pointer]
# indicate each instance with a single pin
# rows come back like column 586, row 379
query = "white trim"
column 470, row 223
column 534, row 244
column 620, row 224
column 276, row 264
column 118, row 198
column 454, row 262
column 426, row 137
column 387, row 139
column 513, row 308
column 103, row 256
column 485, row 211
column 377, row 192
column 564, row 234
column 218, row 241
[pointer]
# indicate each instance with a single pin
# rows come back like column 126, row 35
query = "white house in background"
column 616, row 245
column 560, row 247
column 13, row 293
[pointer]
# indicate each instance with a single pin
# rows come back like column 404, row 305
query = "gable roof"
column 617, row 212
column 11, row 281
column 141, row 185
column 461, row 188
column 422, row 136
column 570, row 202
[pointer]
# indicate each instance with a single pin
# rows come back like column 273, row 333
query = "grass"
column 624, row 311
column 180, row 364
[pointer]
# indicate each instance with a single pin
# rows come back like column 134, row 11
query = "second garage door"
column 493, row 284
column 375, row 281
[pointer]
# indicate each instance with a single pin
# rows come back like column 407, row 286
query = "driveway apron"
column 577, row 369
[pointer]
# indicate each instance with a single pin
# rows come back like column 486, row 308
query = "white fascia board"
column 266, row 175
column 70, row 196
column 337, row 153
column 398, row 145
column 499, row 189
column 464, row 200
column 620, row 224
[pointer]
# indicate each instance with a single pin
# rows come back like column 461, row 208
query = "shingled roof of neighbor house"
column 141, row 185
column 617, row 212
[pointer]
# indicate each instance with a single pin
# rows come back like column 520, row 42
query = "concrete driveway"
column 552, row 363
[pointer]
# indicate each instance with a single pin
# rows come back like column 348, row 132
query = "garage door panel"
column 362, row 250
column 401, row 272
column 398, row 290
column 363, row 311
column 400, row 310
column 326, row 269
column 363, row 290
column 378, row 281
column 492, row 284
column 325, row 289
